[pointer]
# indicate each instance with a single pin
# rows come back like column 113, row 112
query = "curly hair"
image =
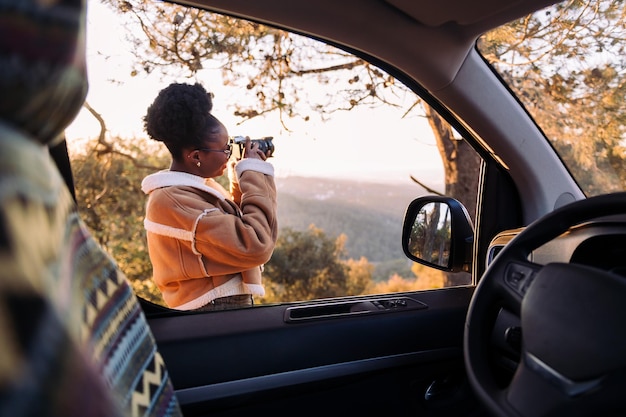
column 180, row 116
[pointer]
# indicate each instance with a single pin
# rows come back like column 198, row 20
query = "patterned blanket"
column 74, row 339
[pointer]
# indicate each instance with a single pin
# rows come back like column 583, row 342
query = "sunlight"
column 381, row 147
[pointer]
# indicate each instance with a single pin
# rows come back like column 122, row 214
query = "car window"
column 566, row 64
column 353, row 146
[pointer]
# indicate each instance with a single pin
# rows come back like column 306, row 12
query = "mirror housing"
column 438, row 232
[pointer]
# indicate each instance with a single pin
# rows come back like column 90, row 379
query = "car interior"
column 536, row 331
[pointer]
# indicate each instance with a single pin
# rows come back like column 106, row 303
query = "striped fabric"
column 69, row 321
column 116, row 330
column 74, row 341
column 43, row 363
column 41, row 367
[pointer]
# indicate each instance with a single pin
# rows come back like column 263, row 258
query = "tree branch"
column 108, row 147
column 424, row 186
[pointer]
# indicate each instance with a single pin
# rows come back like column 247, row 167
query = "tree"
column 580, row 102
column 110, row 201
column 108, row 172
column 272, row 65
column 360, row 274
column 425, row 279
column 532, row 54
column 306, row 265
column 460, row 162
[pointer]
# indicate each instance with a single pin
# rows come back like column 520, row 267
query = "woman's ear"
column 193, row 155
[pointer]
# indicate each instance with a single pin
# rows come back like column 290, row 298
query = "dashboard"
column 600, row 243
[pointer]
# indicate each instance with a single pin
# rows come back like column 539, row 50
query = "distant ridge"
column 370, row 214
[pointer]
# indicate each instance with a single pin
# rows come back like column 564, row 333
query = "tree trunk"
column 461, row 164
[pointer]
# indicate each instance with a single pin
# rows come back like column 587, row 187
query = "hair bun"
column 180, row 116
column 210, row 99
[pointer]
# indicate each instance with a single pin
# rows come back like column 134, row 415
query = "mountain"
column 370, row 214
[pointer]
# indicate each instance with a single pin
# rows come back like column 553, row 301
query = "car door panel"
column 359, row 361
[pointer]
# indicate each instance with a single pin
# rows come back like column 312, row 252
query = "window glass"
column 353, row 146
column 566, row 64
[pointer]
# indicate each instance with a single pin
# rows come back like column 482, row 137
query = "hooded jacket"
column 205, row 243
column 70, row 321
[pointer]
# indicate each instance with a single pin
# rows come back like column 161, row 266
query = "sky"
column 366, row 144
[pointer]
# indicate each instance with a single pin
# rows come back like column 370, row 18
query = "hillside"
column 369, row 214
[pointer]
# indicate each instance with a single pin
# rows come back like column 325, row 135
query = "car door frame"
column 262, row 359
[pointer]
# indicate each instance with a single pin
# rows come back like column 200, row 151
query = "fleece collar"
column 167, row 178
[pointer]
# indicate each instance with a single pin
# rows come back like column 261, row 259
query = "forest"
column 340, row 240
column 341, row 255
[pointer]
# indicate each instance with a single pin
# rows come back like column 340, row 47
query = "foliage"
column 371, row 233
column 567, row 60
column 359, row 276
column 272, row 65
column 425, row 279
column 429, row 235
column 263, row 60
column 566, row 65
column 398, row 266
column 110, row 201
column 306, row 265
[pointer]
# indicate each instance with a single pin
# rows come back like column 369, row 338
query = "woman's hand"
column 232, row 175
column 252, row 150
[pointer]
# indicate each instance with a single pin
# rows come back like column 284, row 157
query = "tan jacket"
column 202, row 243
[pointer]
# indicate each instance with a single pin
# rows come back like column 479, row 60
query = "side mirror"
column 438, row 232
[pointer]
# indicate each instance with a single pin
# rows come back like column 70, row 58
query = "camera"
column 265, row 145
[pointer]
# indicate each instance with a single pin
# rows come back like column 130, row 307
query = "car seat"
column 75, row 341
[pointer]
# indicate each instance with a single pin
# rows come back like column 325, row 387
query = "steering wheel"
column 572, row 319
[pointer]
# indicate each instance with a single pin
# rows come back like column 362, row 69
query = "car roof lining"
column 441, row 12
column 475, row 18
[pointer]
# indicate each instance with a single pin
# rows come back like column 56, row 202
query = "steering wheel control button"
column 519, row 277
column 513, row 338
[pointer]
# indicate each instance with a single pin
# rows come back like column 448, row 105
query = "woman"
column 207, row 246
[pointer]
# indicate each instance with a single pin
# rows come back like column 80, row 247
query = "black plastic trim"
column 224, row 390
column 348, row 308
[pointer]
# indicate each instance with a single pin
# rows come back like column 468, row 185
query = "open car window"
column 353, row 146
